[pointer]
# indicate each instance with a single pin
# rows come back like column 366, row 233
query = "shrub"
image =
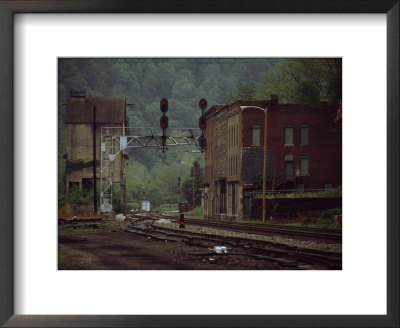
column 168, row 207
column 329, row 214
column 198, row 211
column 131, row 206
column 78, row 199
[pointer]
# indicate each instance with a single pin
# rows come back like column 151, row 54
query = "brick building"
column 85, row 117
column 304, row 151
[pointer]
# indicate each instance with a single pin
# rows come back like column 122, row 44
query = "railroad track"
column 303, row 233
column 285, row 256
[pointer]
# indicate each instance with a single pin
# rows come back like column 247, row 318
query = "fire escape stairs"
column 281, row 179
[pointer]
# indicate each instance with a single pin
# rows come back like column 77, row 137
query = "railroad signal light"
column 164, row 105
column 181, row 221
column 164, row 122
column 202, row 123
column 203, row 104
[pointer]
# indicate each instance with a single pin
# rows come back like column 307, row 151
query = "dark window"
column 73, row 184
column 289, row 172
column 87, row 185
column 289, row 168
column 328, row 186
column 305, row 130
column 256, row 135
column 304, row 165
column 288, row 135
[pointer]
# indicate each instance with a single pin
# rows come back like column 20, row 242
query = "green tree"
column 244, row 91
column 257, row 181
column 191, row 185
column 304, row 80
column 76, row 198
column 306, row 93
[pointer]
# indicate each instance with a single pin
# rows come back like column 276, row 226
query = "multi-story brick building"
column 304, row 151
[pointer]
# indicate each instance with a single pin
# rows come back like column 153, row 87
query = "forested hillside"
column 144, row 81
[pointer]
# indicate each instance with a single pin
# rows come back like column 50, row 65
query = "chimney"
column 274, row 99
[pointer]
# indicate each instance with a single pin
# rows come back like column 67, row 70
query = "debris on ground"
column 220, row 249
column 120, row 217
column 163, row 221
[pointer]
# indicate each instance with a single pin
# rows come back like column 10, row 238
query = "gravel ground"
column 165, row 223
column 110, row 248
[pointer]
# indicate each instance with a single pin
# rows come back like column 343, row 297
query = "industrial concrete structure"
column 85, row 118
column 304, row 152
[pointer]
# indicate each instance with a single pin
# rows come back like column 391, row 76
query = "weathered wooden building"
column 304, row 151
column 85, row 118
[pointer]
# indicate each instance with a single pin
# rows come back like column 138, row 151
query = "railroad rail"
column 303, row 233
column 285, row 256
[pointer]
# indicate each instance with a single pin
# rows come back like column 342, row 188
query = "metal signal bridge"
column 116, row 140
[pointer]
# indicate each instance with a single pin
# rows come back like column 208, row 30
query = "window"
column 304, row 134
column 256, row 135
column 328, row 186
column 236, row 165
column 73, row 184
column 236, row 134
column 288, row 135
column 300, row 187
column 304, row 165
column 87, row 184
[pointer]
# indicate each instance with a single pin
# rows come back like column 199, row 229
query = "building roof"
column 257, row 103
column 109, row 110
column 213, row 109
column 272, row 104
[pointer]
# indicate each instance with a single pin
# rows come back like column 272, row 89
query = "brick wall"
column 325, row 141
column 324, row 149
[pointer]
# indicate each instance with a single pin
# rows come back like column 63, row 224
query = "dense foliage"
column 153, row 175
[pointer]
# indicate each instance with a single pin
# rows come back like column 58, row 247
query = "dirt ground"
column 105, row 246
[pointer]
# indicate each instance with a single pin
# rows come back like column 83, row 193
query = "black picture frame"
column 10, row 7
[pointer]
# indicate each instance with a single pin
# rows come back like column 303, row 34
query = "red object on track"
column 181, row 221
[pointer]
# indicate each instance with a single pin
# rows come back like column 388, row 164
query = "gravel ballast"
column 164, row 223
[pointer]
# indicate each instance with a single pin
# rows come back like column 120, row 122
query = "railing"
column 295, row 193
column 281, row 179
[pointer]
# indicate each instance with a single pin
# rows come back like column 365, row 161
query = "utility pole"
column 193, row 185
column 265, row 158
column 265, row 164
column 94, row 163
column 179, row 190
column 122, row 193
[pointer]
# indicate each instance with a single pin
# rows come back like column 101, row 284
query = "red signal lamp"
column 202, row 123
column 164, row 122
column 203, row 104
column 181, row 221
column 164, row 105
